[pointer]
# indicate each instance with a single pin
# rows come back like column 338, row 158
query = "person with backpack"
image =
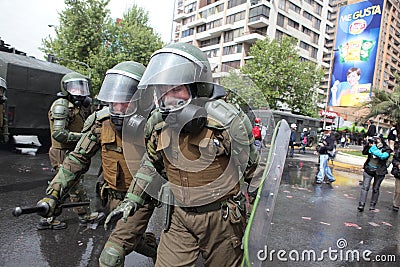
column 304, row 140
column 375, row 169
column 257, row 134
column 324, row 148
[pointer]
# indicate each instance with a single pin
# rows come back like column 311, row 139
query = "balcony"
column 196, row 23
column 179, row 17
column 249, row 38
column 214, row 32
column 258, row 22
column 203, row 36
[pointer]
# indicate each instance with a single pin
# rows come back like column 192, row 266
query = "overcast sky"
column 24, row 23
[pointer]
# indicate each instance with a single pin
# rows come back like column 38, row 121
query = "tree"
column 386, row 103
column 88, row 35
column 277, row 69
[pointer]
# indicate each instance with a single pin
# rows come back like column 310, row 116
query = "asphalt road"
column 307, row 219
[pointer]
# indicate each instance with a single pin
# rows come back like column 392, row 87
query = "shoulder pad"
column 96, row 116
column 154, row 120
column 102, row 114
column 220, row 114
column 223, row 115
column 60, row 108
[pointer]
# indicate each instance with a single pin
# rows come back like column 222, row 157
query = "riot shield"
column 261, row 216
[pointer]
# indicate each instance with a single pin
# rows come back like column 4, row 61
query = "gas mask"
column 180, row 110
column 191, row 119
column 80, row 100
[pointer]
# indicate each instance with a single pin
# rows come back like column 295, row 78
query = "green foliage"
column 277, row 69
column 385, row 103
column 88, row 35
column 243, row 91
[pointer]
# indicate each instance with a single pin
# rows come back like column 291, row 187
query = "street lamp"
column 329, row 85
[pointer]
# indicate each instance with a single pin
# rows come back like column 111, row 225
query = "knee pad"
column 112, row 256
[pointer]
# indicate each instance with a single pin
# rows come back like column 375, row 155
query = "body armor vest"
column 197, row 166
column 115, row 169
column 76, row 119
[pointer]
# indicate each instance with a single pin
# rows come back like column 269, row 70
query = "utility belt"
column 116, row 194
column 206, row 208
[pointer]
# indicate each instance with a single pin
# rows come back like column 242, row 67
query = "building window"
column 318, row 9
column 304, row 45
column 232, row 49
column 282, row 4
column 233, row 3
column 187, row 32
column 307, row 15
column 235, row 17
column 212, row 41
column 314, row 52
column 257, row 12
column 230, row 35
column 212, row 53
column 211, row 11
column 227, row 66
column 187, row 20
column 280, row 20
column 201, row 28
column 295, row 8
column 317, row 23
column 293, row 24
column 214, row 24
column 190, row 8
column 279, row 35
column 306, row 31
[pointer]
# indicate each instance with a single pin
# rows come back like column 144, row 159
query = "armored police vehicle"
column 32, row 86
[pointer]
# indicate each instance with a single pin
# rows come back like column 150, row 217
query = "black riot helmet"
column 118, row 89
column 3, row 89
column 75, row 87
column 181, row 78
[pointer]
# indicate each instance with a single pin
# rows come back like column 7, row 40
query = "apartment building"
column 226, row 29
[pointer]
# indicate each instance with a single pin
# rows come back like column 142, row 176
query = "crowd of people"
column 381, row 153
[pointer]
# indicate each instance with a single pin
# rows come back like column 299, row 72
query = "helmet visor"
column 172, row 97
column 122, row 109
column 77, row 87
column 172, row 69
column 117, row 88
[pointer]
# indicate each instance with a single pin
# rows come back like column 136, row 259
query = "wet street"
column 317, row 222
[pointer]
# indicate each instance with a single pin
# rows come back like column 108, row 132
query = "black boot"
column 372, row 206
column 360, row 206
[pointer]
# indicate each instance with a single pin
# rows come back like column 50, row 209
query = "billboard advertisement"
column 357, row 38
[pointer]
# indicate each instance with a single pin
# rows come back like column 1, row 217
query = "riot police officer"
column 203, row 146
column 103, row 130
column 67, row 115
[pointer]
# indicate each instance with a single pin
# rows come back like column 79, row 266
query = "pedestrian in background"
column 292, row 140
column 304, row 140
column 374, row 168
column 371, row 131
column 396, row 174
column 392, row 136
column 326, row 144
column 257, row 134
